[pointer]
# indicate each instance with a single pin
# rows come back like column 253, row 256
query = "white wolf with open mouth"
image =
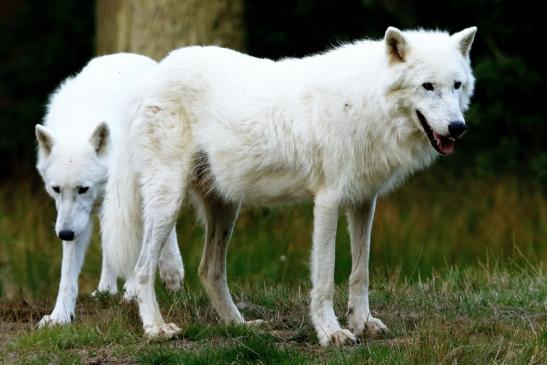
column 76, row 142
column 339, row 128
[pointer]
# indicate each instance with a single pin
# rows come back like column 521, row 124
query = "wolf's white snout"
column 444, row 143
column 73, row 211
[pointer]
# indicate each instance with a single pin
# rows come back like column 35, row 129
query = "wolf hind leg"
column 219, row 218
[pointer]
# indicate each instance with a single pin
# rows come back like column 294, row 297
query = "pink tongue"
column 445, row 144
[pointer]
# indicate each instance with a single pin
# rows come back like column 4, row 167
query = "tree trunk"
column 155, row 27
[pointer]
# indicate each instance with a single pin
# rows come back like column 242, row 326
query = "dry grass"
column 430, row 223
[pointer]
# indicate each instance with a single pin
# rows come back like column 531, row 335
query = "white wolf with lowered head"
column 339, row 128
column 75, row 146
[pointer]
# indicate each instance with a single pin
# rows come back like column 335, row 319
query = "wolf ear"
column 44, row 138
column 464, row 40
column 396, row 45
column 99, row 138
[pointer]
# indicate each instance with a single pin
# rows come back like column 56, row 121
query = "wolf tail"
column 121, row 219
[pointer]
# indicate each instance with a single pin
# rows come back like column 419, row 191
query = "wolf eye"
column 428, row 86
column 457, row 85
column 56, row 189
column 83, row 189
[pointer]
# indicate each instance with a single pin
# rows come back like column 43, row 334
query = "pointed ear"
column 100, row 138
column 44, row 138
column 396, row 45
column 464, row 40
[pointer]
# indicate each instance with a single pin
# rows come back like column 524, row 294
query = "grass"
column 485, row 315
column 458, row 278
column 430, row 223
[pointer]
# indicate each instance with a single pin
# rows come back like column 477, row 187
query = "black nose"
column 66, row 235
column 456, row 129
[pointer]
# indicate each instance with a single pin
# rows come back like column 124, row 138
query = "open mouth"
column 443, row 145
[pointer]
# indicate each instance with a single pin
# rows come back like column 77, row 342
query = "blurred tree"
column 156, row 27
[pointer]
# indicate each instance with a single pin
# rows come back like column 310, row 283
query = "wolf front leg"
column 73, row 257
column 360, row 320
column 162, row 198
column 163, row 183
column 162, row 154
column 108, row 281
column 170, row 264
column 325, row 215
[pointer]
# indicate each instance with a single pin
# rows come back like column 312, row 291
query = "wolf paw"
column 161, row 332
column 368, row 327
column 255, row 322
column 342, row 337
column 374, row 326
column 55, row 319
column 129, row 293
column 98, row 293
column 172, row 278
column 107, row 286
column 129, row 296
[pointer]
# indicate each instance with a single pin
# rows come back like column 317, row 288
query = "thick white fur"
column 76, row 142
column 340, row 128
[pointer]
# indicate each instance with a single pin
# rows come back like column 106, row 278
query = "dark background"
column 41, row 42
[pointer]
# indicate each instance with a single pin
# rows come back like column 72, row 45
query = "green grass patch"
column 73, row 337
column 486, row 315
column 247, row 349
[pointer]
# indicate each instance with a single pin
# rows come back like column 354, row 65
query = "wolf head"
column 433, row 81
column 74, row 174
